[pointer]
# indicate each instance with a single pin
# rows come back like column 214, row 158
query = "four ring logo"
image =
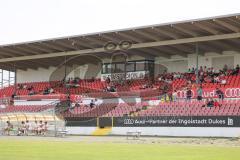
column 182, row 93
column 123, row 45
column 128, row 121
column 232, row 92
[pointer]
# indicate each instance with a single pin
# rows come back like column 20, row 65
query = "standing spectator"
column 189, row 94
column 174, row 96
column 220, row 94
column 27, row 126
column 199, row 93
column 170, row 96
column 225, row 68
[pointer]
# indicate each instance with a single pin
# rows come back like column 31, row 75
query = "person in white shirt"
column 35, row 128
column 27, row 126
column 174, row 95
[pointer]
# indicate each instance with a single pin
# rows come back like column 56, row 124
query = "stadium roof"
column 215, row 34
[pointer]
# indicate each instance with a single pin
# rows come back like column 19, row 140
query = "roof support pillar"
column 196, row 72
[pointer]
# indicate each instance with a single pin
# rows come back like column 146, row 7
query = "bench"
column 134, row 134
column 61, row 133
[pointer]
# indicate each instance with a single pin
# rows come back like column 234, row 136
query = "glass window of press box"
column 130, row 66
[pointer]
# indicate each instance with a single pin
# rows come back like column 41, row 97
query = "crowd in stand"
column 205, row 75
column 166, row 88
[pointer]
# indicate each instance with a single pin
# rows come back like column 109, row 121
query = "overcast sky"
column 28, row 20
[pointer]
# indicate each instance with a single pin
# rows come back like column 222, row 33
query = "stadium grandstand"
column 174, row 79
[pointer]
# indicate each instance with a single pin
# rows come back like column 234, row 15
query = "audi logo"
column 232, row 92
column 128, row 121
column 182, row 94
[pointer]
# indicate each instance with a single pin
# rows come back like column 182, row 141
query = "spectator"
column 27, row 126
column 108, row 80
column 199, row 93
column 31, row 92
column 210, row 103
column 13, row 95
column 30, row 88
column 8, row 128
column 51, row 90
column 216, row 104
column 45, row 128
column 35, row 128
column 174, row 96
column 170, row 96
column 92, row 104
column 189, row 94
column 225, row 68
column 220, row 94
column 237, row 68
column 21, row 129
column 46, row 91
column 40, row 127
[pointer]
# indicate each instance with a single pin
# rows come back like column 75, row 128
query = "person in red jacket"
column 216, row 104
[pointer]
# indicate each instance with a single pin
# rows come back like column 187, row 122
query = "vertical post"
column 197, row 54
column 15, row 79
column 9, row 78
column 65, row 69
column 2, row 78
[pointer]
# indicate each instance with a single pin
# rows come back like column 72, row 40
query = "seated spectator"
column 51, row 90
column 216, row 79
column 19, row 86
column 46, row 91
column 205, row 69
column 21, row 129
column 108, row 80
column 216, row 104
column 45, row 128
column 30, row 88
column 34, row 127
column 8, row 128
column 92, row 104
column 24, row 86
column 237, row 68
column 40, row 128
column 13, row 95
column 223, row 81
column 210, row 103
column 31, row 92
column 206, row 102
column 220, row 94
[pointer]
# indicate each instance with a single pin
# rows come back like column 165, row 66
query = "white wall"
column 42, row 74
column 175, row 64
column 207, row 59
column 164, row 131
column 31, row 75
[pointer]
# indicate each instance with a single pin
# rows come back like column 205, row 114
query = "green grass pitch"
column 57, row 150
